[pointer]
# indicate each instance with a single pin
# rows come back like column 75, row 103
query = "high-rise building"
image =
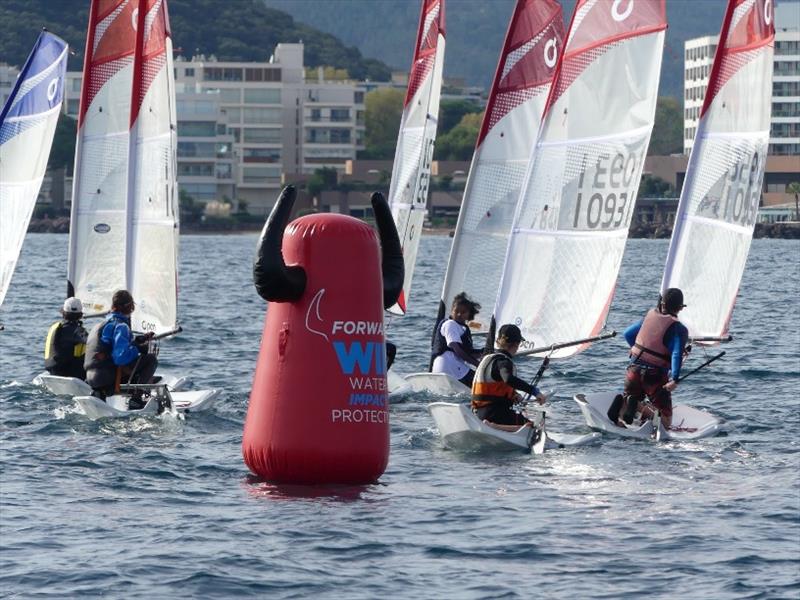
column 785, row 125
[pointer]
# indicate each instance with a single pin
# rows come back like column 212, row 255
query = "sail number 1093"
column 608, row 203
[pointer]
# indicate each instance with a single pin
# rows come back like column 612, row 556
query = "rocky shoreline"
column 789, row 230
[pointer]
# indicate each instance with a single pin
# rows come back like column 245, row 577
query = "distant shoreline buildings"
column 246, row 128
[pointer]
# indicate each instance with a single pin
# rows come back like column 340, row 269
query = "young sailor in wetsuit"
column 452, row 349
column 113, row 356
column 657, row 347
column 494, row 391
column 65, row 345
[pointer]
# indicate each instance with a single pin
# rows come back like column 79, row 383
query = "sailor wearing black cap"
column 494, row 391
column 657, row 347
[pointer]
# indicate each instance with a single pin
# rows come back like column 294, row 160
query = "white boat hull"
column 461, row 430
column 439, row 384
column 72, row 386
column 688, row 423
column 397, row 384
column 116, row 406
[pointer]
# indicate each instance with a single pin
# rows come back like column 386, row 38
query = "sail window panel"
column 262, row 135
column 262, row 96
column 253, row 115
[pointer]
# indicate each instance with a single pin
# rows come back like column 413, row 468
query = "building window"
column 262, row 115
column 195, row 169
column 261, row 174
column 358, row 97
column 188, row 72
column 197, row 128
column 262, row 96
column 222, row 74
column 196, row 150
column 327, row 136
column 261, row 155
column 340, row 114
column 262, row 136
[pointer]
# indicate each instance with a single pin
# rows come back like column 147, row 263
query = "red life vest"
column 649, row 344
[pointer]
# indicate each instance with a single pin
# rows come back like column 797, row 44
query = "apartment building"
column 785, row 126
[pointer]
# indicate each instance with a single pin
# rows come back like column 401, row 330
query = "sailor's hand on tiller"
column 670, row 385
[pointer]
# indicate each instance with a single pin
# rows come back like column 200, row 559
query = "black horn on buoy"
column 275, row 282
column 392, row 253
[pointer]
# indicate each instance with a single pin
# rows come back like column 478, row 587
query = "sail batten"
column 408, row 191
column 510, row 125
column 722, row 190
column 27, row 126
column 575, row 207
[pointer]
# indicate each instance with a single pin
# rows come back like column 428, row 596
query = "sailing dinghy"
column 508, row 133
column 572, row 216
column 27, row 125
column 720, row 196
column 462, row 430
column 411, row 172
column 124, row 222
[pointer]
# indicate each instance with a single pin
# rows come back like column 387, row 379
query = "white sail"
column 99, row 216
column 575, row 208
column 408, row 192
column 508, row 132
column 721, row 193
column 27, row 125
column 152, row 202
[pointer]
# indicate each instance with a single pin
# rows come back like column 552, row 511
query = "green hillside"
column 475, row 31
column 231, row 30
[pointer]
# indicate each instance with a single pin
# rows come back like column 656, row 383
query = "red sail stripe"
column 529, row 76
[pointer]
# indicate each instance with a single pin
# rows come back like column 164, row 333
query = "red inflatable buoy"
column 318, row 410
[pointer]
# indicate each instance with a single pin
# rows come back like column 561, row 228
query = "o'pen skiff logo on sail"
column 616, row 15
column 134, row 18
column 52, row 89
column 102, row 228
column 768, row 12
column 551, row 52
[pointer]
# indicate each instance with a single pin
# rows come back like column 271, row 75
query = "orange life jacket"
column 649, row 344
column 485, row 390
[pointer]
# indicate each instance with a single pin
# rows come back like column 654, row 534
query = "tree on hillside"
column 383, row 108
column 667, row 135
column 459, row 142
column 62, row 154
column 244, row 30
column 452, row 111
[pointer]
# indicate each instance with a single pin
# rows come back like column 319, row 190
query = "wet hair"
column 463, row 300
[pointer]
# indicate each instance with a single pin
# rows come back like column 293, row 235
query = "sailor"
column 452, row 348
column 494, row 391
column 114, row 356
column 65, row 345
column 658, row 343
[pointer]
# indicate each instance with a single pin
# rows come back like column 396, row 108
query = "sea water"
column 163, row 508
